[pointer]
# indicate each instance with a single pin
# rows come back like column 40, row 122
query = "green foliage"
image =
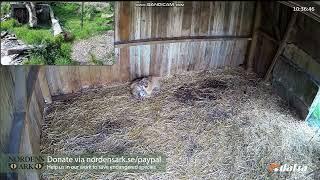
column 26, row 34
column 54, row 51
column 57, row 50
column 9, row 24
column 66, row 10
column 63, row 61
column 35, row 60
column 89, row 12
column 5, row 8
column 69, row 15
column 65, row 49
column 32, row 36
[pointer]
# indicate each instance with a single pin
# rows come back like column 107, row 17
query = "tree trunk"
column 82, row 4
column 33, row 20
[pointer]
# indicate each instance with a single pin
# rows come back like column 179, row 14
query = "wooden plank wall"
column 275, row 17
column 295, row 76
column 197, row 18
column 6, row 106
column 21, row 116
column 219, row 18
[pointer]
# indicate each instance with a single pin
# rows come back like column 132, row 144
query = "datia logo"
column 276, row 167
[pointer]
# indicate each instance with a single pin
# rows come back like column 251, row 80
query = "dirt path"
column 97, row 50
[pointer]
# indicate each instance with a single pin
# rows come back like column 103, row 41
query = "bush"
column 9, row 24
column 65, row 49
column 62, row 61
column 89, row 12
column 53, row 51
column 5, row 8
column 35, row 60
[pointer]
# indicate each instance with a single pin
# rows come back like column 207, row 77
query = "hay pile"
column 222, row 124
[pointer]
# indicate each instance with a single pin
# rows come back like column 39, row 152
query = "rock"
column 13, row 50
column 3, row 33
column 6, row 60
column 18, row 50
column 106, row 15
column 12, row 38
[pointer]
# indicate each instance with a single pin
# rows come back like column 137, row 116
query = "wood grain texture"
column 195, row 19
column 21, row 119
column 6, row 105
column 145, row 60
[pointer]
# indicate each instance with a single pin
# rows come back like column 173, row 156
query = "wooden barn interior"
column 240, row 89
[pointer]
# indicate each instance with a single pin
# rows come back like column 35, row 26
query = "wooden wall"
column 197, row 18
column 206, row 35
column 296, row 74
column 197, row 36
column 137, row 61
column 21, row 116
column 274, row 20
column 6, row 105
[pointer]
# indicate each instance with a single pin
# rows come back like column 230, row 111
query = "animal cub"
column 146, row 87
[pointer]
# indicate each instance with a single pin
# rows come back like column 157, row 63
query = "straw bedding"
column 222, row 124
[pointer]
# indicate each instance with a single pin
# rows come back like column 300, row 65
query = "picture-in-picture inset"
column 57, row 33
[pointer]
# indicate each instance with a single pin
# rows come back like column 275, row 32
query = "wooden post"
column 282, row 44
column 255, row 32
column 82, row 4
column 44, row 85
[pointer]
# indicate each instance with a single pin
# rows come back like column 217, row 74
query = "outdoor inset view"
column 57, row 33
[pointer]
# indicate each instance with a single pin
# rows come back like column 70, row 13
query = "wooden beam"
column 254, row 41
column 120, row 44
column 282, row 44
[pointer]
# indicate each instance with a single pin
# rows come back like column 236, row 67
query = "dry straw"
column 222, row 124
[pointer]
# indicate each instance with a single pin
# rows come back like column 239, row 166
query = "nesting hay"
column 204, row 90
column 222, row 124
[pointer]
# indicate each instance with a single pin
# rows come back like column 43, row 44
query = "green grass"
column 5, row 8
column 69, row 15
column 57, row 51
column 54, row 52
column 35, row 60
column 32, row 36
column 26, row 34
